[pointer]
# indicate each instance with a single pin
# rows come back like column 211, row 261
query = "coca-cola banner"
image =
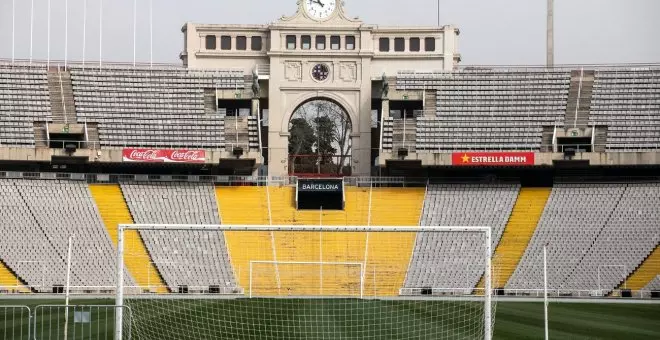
column 164, row 156
column 493, row 158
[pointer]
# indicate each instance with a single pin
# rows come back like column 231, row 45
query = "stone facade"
column 284, row 53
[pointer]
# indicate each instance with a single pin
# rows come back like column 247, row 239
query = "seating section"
column 113, row 212
column 192, row 258
column 39, row 216
column 24, row 99
column 628, row 102
column 629, row 235
column 388, row 255
column 654, row 285
column 152, row 107
column 487, row 109
column 596, row 235
column 455, row 260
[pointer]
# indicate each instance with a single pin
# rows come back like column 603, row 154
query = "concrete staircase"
column 404, row 134
column 61, row 96
column 93, row 141
column 547, row 142
column 430, row 102
column 600, row 139
column 40, row 135
column 579, row 98
column 237, row 133
column 210, row 104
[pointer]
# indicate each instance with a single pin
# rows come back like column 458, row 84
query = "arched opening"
column 320, row 142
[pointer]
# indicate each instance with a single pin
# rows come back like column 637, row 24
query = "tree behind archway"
column 324, row 128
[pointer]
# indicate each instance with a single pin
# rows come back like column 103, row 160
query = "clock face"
column 320, row 72
column 320, row 9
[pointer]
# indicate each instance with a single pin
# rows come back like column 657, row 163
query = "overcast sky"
column 492, row 31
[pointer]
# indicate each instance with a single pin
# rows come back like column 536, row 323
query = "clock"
column 320, row 9
column 320, row 72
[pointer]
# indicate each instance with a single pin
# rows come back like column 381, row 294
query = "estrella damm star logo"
column 465, row 158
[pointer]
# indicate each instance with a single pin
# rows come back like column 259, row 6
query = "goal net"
column 304, row 282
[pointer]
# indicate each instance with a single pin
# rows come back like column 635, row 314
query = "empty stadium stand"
column 646, row 272
column 654, row 284
column 152, row 107
column 47, row 212
column 24, row 100
column 596, row 235
column 517, row 234
column 184, row 258
column 457, row 259
column 114, row 211
column 488, row 109
column 627, row 101
column 9, row 282
column 628, row 236
column 389, row 207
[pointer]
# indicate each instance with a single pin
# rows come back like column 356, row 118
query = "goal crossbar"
column 315, row 228
column 402, row 229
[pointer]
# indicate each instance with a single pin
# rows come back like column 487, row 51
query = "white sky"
column 492, row 31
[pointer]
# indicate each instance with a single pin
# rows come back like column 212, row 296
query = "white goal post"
column 487, row 273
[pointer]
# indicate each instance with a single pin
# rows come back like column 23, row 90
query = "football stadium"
column 319, row 177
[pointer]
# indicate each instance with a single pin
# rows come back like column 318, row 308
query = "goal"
column 280, row 282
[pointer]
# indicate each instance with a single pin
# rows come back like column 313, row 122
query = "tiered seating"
column 628, row 102
column 152, row 107
column 654, row 285
column 114, row 211
column 456, row 260
column 483, row 109
column 39, row 216
column 24, row 99
column 388, row 255
column 587, row 226
column 630, row 234
column 517, row 234
column 192, row 258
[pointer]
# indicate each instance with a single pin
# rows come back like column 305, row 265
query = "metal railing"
column 534, row 293
column 12, row 322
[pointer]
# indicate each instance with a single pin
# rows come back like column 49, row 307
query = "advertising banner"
column 493, row 158
column 163, row 156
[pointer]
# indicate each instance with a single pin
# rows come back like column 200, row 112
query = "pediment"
column 302, row 18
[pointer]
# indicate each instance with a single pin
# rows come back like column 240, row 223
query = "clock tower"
column 319, row 55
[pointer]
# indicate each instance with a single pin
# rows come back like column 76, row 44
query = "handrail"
column 579, row 98
column 437, row 149
column 59, row 73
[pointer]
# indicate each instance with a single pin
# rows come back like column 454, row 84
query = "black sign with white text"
column 320, row 194
column 325, row 185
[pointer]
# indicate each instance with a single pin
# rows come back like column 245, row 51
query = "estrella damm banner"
column 492, row 158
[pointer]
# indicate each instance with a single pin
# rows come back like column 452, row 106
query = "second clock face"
column 320, row 9
column 320, row 72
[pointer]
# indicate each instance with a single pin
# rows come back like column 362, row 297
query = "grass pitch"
column 343, row 319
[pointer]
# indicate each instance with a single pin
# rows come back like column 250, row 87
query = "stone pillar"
column 385, row 109
column 256, row 107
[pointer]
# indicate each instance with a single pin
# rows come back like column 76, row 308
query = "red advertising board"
column 492, row 158
column 163, row 156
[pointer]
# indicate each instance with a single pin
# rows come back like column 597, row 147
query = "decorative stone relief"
column 348, row 71
column 293, row 70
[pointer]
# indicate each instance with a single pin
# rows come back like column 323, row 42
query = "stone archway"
column 320, row 142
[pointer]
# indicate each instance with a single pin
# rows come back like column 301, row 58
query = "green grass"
column 348, row 319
